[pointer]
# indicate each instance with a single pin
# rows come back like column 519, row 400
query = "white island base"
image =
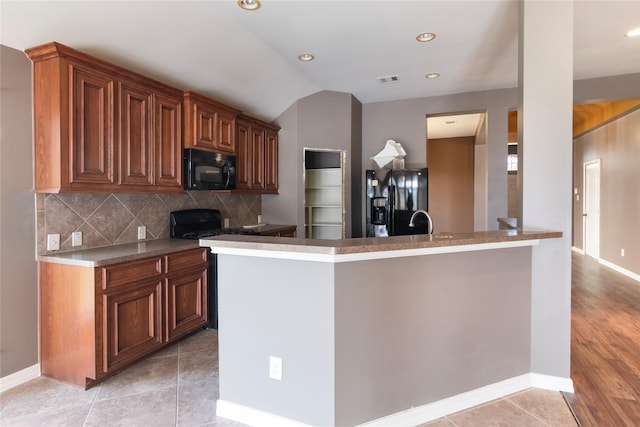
column 380, row 337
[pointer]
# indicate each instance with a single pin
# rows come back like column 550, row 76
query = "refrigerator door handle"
column 392, row 209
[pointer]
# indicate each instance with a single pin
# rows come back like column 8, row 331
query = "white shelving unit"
column 324, row 213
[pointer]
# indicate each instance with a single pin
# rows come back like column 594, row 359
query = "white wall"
column 18, row 268
column 325, row 120
column 365, row 339
column 545, row 101
column 405, row 121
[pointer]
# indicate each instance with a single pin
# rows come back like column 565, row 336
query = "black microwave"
column 204, row 170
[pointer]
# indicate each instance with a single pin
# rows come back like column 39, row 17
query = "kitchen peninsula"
column 399, row 330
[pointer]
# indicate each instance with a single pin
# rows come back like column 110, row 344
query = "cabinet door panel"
column 186, row 299
column 168, row 141
column 226, row 141
column 136, row 135
column 271, row 161
column 133, row 324
column 92, row 135
column 205, row 127
column 257, row 158
column 243, row 156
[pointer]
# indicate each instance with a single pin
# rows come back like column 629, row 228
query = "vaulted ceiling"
column 248, row 59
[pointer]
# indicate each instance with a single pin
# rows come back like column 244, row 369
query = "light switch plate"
column 76, row 238
column 53, row 242
column 275, row 368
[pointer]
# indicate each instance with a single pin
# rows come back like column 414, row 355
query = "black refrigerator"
column 392, row 196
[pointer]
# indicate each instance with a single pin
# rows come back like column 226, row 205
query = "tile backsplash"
column 111, row 219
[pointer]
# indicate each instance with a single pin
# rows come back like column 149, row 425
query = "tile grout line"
column 531, row 414
column 93, row 402
column 177, row 384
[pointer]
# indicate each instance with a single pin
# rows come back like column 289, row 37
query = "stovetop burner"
column 194, row 224
column 209, row 233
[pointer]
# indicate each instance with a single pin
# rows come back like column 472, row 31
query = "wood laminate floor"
column 605, row 346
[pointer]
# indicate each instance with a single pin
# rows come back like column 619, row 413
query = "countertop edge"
column 114, row 254
column 108, row 255
column 372, row 248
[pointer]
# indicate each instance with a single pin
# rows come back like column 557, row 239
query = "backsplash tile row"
column 111, row 219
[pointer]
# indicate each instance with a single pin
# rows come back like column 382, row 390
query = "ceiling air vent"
column 389, row 79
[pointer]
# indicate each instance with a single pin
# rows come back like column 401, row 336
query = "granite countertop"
column 268, row 228
column 372, row 244
column 107, row 255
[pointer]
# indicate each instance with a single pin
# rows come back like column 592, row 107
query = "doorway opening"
column 591, row 213
column 457, row 163
column 324, row 204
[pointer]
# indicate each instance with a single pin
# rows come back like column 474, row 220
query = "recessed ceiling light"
column 633, row 33
column 432, row 75
column 249, row 4
column 306, row 57
column 425, row 37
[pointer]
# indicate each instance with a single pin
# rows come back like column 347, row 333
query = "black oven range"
column 194, row 224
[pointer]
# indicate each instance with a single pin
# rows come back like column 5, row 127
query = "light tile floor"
column 179, row 387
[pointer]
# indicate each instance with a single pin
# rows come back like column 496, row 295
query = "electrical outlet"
column 275, row 368
column 226, row 223
column 622, row 252
column 53, row 242
column 142, row 232
column 259, row 219
column 76, row 238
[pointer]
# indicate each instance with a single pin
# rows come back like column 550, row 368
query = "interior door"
column 591, row 212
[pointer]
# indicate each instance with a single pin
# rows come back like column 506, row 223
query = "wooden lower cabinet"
column 186, row 308
column 96, row 321
column 133, row 322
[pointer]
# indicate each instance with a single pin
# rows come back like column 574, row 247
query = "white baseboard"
column 417, row 415
column 20, row 377
column 619, row 269
column 253, row 417
column 460, row 402
column 549, row 382
column 612, row 266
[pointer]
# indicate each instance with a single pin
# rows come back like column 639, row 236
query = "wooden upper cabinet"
column 92, row 143
column 243, row 156
column 271, row 161
column 208, row 124
column 136, row 135
column 168, row 141
column 257, row 158
column 102, row 128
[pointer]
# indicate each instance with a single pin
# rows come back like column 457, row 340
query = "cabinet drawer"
column 131, row 272
column 186, row 259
